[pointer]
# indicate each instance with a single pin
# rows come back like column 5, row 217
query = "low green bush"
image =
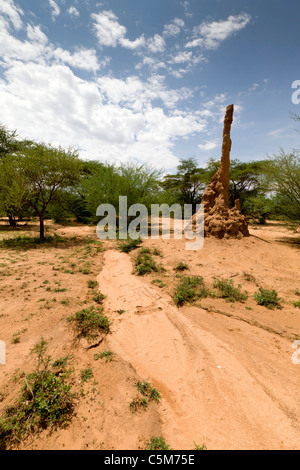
column 267, row 298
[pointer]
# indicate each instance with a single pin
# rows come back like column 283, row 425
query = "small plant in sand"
column 157, row 252
column 86, row 374
column 46, row 401
column 138, row 403
column 147, row 393
column 249, row 277
column 145, row 264
column 107, row 355
column 92, row 284
column 267, row 298
column 200, row 447
column 157, row 443
column 189, row 289
column 129, row 245
column 85, row 269
column 227, row 291
column 181, row 267
column 159, row 283
column 89, row 323
column 146, row 389
column 98, row 297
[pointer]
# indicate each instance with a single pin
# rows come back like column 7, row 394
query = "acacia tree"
column 283, row 176
column 13, row 189
column 47, row 172
column 8, row 142
column 188, row 183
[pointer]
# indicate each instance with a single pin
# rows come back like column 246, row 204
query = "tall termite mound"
column 220, row 220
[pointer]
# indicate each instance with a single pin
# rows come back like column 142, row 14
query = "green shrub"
column 145, row 264
column 268, row 298
column 145, row 251
column 148, row 393
column 147, row 390
column 86, row 374
column 159, row 283
column 181, row 267
column 45, row 401
column 227, row 291
column 138, row 403
column 92, row 284
column 108, row 355
column 98, row 297
column 189, row 289
column 157, row 443
column 89, row 323
column 129, row 245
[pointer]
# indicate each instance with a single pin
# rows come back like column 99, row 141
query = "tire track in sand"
column 225, row 406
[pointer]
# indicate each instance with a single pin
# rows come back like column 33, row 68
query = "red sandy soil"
column 224, row 370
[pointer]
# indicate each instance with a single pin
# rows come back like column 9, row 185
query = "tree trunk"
column 42, row 227
column 12, row 221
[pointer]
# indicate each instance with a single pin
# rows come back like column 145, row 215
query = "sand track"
column 224, row 382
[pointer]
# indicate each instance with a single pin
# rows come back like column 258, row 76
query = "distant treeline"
column 39, row 180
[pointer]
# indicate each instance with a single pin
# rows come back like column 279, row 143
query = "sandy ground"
column 224, row 370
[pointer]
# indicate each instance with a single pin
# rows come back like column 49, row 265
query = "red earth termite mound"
column 220, row 220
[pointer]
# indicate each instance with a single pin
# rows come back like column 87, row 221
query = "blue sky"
column 133, row 80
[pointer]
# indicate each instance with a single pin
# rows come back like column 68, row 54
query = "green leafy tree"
column 104, row 183
column 13, row 190
column 283, row 178
column 8, row 142
column 188, row 184
column 47, row 172
column 140, row 183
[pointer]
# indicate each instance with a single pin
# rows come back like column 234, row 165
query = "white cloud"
column 209, row 145
column 156, row 44
column 107, row 120
column 12, row 49
column 211, row 35
column 277, row 132
column 37, row 49
column 252, row 89
column 152, row 62
column 108, row 30
column 139, row 42
column 187, row 61
column 35, row 34
column 138, row 95
column 174, row 28
column 55, row 9
column 186, row 6
column 182, row 57
column 11, row 12
column 73, row 11
column 84, row 59
column 111, row 33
